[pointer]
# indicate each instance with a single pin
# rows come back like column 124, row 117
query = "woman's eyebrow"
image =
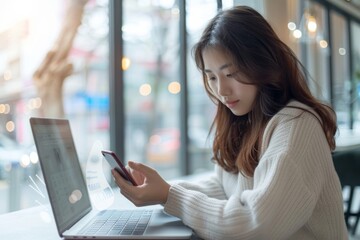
column 226, row 65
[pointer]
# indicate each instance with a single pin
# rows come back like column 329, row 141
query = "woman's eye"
column 211, row 78
column 231, row 75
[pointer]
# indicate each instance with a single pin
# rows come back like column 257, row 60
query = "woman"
column 272, row 149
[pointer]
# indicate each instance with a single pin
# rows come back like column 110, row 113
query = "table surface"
column 347, row 139
column 31, row 223
column 38, row 222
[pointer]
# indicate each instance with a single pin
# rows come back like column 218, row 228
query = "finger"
column 133, row 200
column 126, row 188
column 140, row 167
column 129, row 169
column 120, row 181
column 127, row 196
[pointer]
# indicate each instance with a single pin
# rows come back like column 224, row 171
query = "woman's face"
column 225, row 82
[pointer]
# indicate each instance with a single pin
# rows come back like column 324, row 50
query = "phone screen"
column 117, row 164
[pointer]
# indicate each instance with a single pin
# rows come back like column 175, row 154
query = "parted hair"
column 258, row 53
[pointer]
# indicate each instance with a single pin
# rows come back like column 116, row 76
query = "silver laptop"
column 70, row 201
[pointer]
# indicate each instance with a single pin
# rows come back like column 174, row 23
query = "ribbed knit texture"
column 295, row 192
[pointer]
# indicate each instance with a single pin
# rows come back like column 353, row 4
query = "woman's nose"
column 223, row 88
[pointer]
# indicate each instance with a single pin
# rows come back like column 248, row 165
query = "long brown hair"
column 256, row 50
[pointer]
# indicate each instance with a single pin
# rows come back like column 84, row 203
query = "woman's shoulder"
column 295, row 108
column 295, row 116
column 295, row 123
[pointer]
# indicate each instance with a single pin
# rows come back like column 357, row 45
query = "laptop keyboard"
column 121, row 222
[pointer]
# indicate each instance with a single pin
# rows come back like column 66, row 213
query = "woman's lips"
column 231, row 104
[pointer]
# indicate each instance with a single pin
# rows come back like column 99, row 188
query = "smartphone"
column 117, row 164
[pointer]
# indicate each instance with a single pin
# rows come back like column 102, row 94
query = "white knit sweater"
column 295, row 192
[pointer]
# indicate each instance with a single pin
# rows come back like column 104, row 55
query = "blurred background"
column 135, row 88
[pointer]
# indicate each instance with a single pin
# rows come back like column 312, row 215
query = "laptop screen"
column 62, row 173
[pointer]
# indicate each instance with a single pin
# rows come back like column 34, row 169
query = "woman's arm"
column 274, row 209
column 211, row 186
column 287, row 184
column 286, row 188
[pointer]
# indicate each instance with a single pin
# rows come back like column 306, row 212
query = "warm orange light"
column 145, row 89
column 34, row 158
column 25, row 161
column 125, row 63
column 7, row 109
column 323, row 44
column 10, row 126
column 174, row 87
column 34, row 103
column 311, row 24
column 2, row 108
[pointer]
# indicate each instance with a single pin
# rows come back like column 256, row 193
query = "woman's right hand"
column 137, row 176
column 151, row 189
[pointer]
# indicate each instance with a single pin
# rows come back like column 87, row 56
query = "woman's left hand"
column 153, row 190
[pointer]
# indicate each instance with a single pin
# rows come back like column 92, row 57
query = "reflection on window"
column 152, row 84
column 201, row 108
column 355, row 31
column 341, row 77
column 307, row 27
column 27, row 34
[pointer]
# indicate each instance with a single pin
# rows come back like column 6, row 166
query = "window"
column 28, row 30
column 152, row 84
column 355, row 33
column 162, row 98
column 327, row 46
column 341, row 75
column 201, row 109
column 316, row 50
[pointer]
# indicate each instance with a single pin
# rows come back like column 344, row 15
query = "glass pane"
column 341, row 75
column 315, row 42
column 307, row 27
column 355, row 33
column 151, row 82
column 201, row 109
column 27, row 34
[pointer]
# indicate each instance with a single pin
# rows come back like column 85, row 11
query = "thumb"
column 140, row 167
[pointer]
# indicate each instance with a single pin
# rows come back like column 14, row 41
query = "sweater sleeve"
column 287, row 183
column 211, row 187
